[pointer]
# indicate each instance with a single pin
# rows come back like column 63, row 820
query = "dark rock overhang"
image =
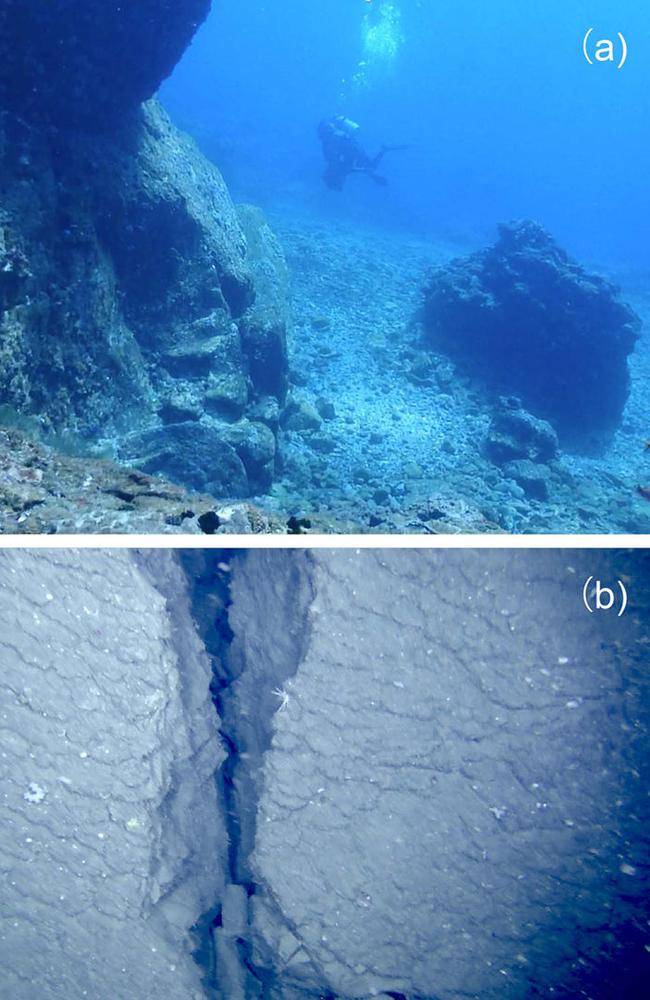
column 86, row 63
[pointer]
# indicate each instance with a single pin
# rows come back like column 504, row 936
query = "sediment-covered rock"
column 112, row 840
column 533, row 478
column 85, row 63
column 44, row 491
column 527, row 319
column 446, row 788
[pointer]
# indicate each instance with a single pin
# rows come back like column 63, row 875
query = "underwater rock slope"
column 110, row 835
column 530, row 321
column 44, row 492
column 130, row 305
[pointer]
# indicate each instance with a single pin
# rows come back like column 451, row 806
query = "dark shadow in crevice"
column 208, row 573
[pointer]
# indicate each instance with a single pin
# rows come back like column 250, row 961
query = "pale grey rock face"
column 110, row 836
column 448, row 799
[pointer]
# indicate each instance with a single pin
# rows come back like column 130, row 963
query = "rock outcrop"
column 45, row 492
column 514, row 435
column 523, row 446
column 135, row 308
column 526, row 319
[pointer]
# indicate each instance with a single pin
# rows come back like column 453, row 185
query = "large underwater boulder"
column 528, row 320
column 84, row 63
column 133, row 297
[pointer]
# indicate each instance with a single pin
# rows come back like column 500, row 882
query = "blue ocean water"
column 502, row 114
column 501, row 117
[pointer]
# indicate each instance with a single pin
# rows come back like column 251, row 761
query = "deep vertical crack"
column 208, row 575
column 245, row 712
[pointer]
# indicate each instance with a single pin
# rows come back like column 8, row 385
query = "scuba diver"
column 345, row 155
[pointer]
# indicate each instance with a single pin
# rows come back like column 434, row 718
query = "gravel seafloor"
column 405, row 444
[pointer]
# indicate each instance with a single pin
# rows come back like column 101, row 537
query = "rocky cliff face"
column 133, row 308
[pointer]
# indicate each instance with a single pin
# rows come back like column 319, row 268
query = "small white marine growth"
column 34, row 793
column 282, row 697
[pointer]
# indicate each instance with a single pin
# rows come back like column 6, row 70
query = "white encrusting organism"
column 34, row 793
column 283, row 698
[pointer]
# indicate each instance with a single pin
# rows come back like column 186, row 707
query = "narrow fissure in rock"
column 245, row 698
